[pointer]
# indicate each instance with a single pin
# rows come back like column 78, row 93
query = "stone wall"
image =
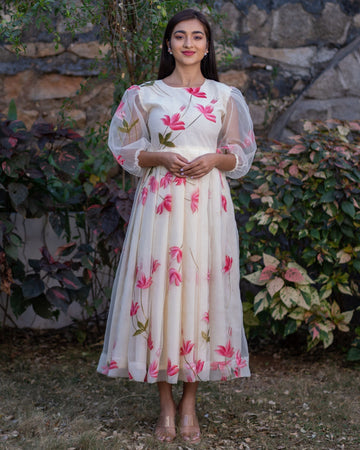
column 293, row 59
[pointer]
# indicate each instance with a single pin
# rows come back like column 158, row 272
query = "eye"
column 178, row 37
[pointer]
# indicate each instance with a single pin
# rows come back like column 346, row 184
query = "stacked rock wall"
column 293, row 60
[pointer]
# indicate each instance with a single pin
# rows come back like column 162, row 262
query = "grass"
column 51, row 398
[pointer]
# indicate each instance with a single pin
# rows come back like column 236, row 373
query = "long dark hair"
column 167, row 61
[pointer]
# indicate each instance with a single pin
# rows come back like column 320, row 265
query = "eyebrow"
column 194, row 32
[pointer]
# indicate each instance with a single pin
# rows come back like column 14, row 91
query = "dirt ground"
column 52, row 398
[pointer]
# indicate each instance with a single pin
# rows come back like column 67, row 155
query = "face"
column 188, row 42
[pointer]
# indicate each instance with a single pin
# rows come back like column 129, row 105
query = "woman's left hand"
column 200, row 166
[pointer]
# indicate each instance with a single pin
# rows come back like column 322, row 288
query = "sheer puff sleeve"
column 128, row 133
column 237, row 135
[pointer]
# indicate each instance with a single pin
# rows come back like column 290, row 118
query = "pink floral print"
column 165, row 204
column 226, row 351
column 228, row 264
column 150, row 343
column 224, row 202
column 120, row 160
column 119, row 113
column 153, row 369
column 179, row 181
column 174, row 122
column 176, row 252
column 186, row 347
column 134, row 308
column 196, row 92
column 195, row 201
column 205, row 317
column 154, row 184
column 206, row 111
column 174, row 277
column 144, row 194
column 166, row 180
column 154, row 265
column 144, row 282
column 134, row 86
column 172, row 369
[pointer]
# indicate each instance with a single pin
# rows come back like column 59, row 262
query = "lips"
column 188, row 53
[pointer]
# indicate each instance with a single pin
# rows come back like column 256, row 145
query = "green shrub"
column 301, row 205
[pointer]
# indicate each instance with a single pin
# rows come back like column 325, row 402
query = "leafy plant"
column 301, row 204
column 290, row 297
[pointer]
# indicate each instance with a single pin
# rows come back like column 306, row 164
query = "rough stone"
column 339, row 81
column 292, row 26
column 15, row 86
column 28, row 116
column 356, row 21
column 55, row 86
column 38, row 49
column 333, row 25
column 230, row 21
column 301, row 56
column 254, row 20
column 236, row 78
column 79, row 117
column 257, row 113
column 324, row 55
column 338, row 108
column 89, row 50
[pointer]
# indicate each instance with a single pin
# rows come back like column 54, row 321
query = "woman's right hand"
column 173, row 162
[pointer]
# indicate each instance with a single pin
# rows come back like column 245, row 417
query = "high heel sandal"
column 186, row 422
column 165, row 430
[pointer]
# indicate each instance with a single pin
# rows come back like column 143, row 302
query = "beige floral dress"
column 176, row 312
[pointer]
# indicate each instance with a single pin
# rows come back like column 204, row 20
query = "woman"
column 176, row 312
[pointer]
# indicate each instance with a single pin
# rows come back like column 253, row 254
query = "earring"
column 169, row 50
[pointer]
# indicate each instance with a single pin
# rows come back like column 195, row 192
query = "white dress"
column 175, row 310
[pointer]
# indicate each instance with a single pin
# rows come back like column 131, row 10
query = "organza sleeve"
column 237, row 135
column 128, row 133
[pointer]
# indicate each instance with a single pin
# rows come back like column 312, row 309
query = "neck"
column 187, row 77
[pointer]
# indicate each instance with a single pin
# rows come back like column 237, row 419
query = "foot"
column 165, row 429
column 189, row 425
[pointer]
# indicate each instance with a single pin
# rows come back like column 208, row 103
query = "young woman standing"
column 176, row 312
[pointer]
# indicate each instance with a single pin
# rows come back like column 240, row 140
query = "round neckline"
column 184, row 87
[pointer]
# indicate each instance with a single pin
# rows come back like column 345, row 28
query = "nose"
column 187, row 41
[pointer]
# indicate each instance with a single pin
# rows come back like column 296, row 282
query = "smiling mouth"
column 188, row 53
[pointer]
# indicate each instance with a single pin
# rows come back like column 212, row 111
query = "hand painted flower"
column 237, row 372
column 176, row 252
column 224, row 202
column 195, row 201
column 226, row 351
column 241, row 363
column 179, row 180
column 134, row 86
column 144, row 282
column 130, row 376
column 150, row 343
column 155, row 264
column 205, row 317
column 113, row 365
column 174, row 122
column 249, row 140
column 144, row 194
column 120, row 160
column 174, row 276
column 153, row 369
column 196, row 92
column 186, row 347
column 172, row 369
column 214, row 100
column 105, row 370
column 199, row 366
column 190, row 378
column 223, row 378
column 166, row 180
column 154, row 184
column 165, row 204
column 206, row 111
column 119, row 113
column 134, row 308
column 228, row 264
